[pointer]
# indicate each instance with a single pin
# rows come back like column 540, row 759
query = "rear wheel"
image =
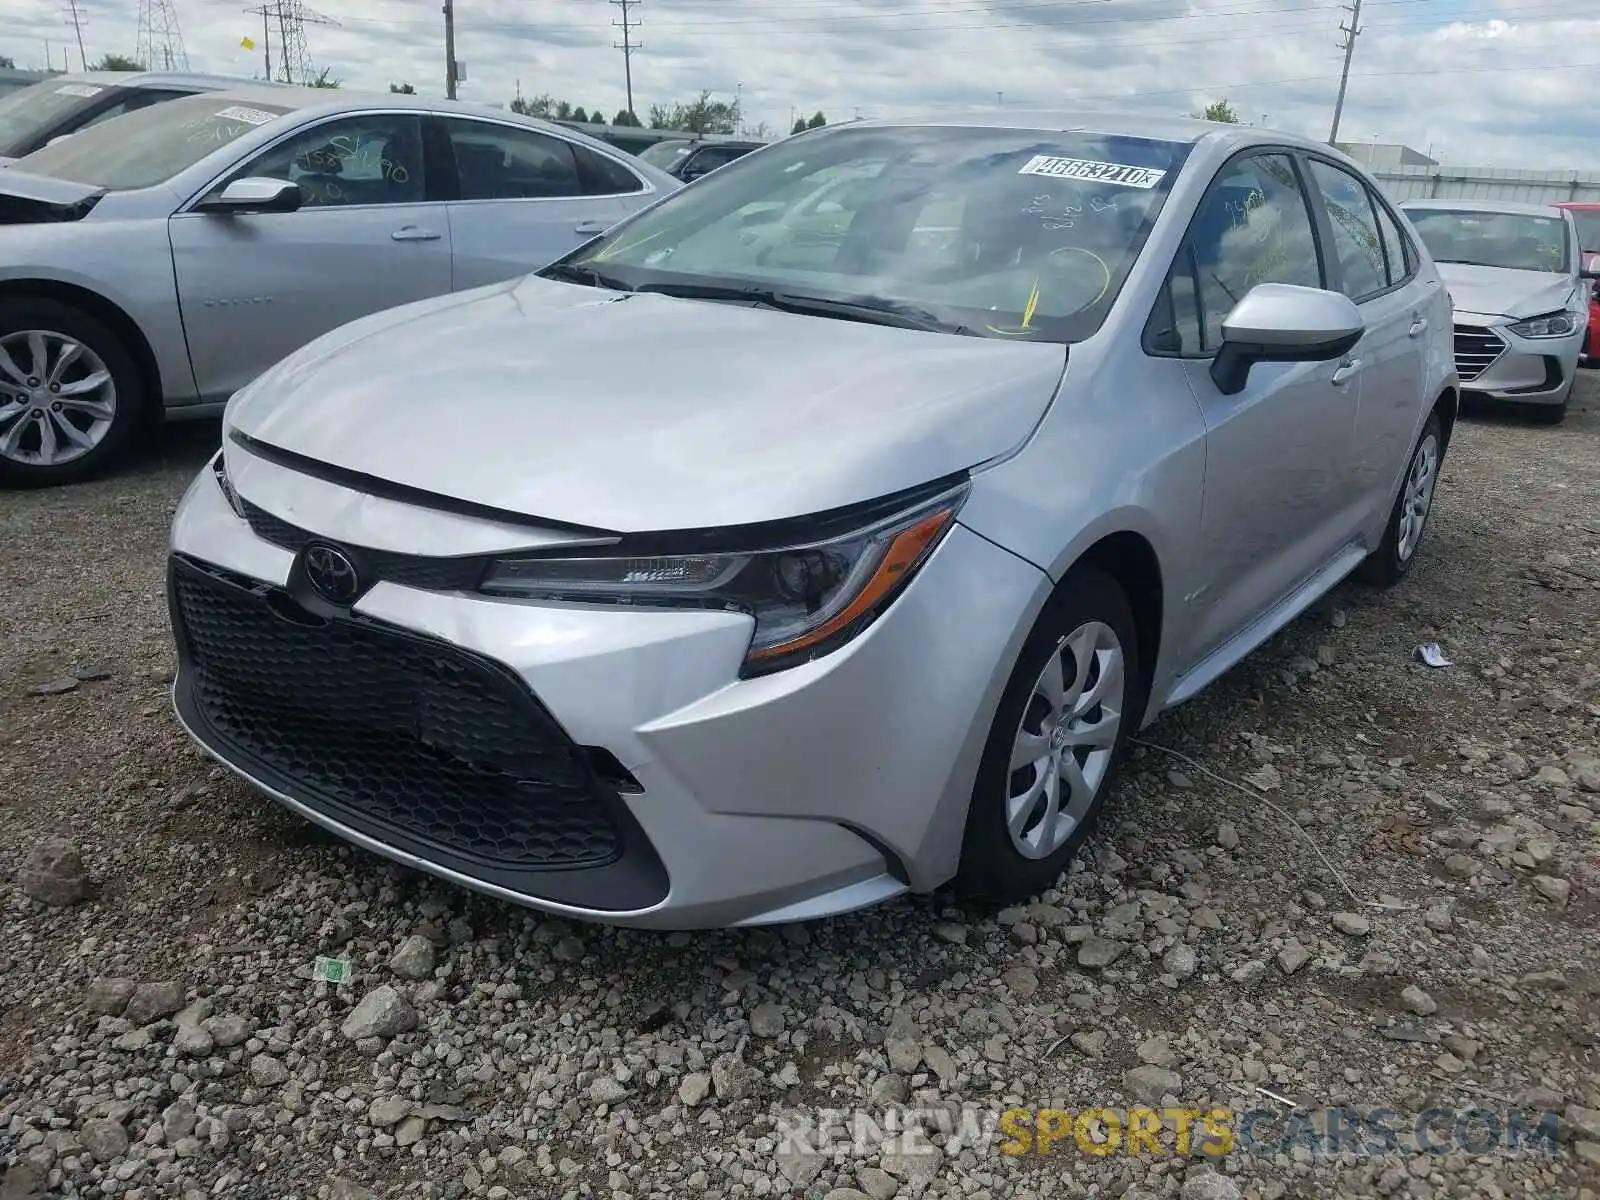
column 70, row 394
column 1075, row 696
column 1408, row 519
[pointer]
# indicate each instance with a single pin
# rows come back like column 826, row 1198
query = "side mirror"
column 1590, row 268
column 1281, row 322
column 254, row 194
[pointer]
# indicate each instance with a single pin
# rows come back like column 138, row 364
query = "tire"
column 1392, row 560
column 34, row 419
column 994, row 870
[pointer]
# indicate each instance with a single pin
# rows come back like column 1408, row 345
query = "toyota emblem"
column 332, row 574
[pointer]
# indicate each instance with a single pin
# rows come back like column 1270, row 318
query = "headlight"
column 1557, row 324
column 219, row 468
column 806, row 599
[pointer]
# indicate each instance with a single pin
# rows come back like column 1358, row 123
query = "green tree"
column 403, row 89
column 817, row 120
column 324, row 79
column 7, row 62
column 1220, row 111
column 626, row 119
column 704, row 115
column 534, row 106
column 118, row 62
column 799, row 125
column 596, row 117
column 562, row 111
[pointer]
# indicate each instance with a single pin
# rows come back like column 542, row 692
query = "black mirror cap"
column 1230, row 369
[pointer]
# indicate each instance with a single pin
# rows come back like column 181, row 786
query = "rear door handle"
column 590, row 228
column 1347, row 371
column 415, row 233
column 1418, row 327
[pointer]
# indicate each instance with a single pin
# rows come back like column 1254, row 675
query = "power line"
column 628, row 45
column 1351, row 32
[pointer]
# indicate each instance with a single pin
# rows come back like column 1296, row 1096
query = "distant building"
column 14, row 80
column 1386, row 154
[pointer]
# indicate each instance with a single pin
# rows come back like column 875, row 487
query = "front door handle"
column 591, row 228
column 415, row 233
column 1346, row 371
column 1418, row 327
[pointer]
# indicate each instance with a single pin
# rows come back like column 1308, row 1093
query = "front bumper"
column 1496, row 364
column 601, row 763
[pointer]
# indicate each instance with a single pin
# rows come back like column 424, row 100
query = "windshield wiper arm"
column 581, row 273
column 870, row 309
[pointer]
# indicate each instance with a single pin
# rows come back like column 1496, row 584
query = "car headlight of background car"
column 807, row 599
column 1556, row 324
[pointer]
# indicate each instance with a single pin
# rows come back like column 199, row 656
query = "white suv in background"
column 1521, row 302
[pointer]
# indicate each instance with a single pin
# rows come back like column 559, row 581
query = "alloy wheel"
column 1417, row 497
column 57, row 398
column 1064, row 744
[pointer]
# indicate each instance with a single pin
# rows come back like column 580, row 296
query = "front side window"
column 501, row 162
column 1356, row 241
column 350, row 161
column 141, row 149
column 1254, row 226
column 998, row 232
column 1514, row 241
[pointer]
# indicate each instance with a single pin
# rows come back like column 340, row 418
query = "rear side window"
column 1356, row 240
column 602, row 175
column 1396, row 249
column 502, row 162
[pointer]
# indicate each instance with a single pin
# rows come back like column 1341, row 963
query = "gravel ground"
column 1431, row 938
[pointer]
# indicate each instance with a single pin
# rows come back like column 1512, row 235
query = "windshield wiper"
column 580, row 273
column 873, row 310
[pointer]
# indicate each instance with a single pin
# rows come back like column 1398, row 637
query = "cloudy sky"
column 1481, row 82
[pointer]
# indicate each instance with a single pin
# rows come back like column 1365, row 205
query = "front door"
column 1277, row 500
column 254, row 288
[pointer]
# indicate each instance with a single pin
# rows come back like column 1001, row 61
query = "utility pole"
column 1351, row 32
column 450, row 49
column 627, row 45
column 77, row 28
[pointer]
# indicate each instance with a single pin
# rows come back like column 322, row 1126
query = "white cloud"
column 1484, row 82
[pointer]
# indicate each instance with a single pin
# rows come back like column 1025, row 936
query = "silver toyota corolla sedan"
column 764, row 559
column 1521, row 304
column 158, row 262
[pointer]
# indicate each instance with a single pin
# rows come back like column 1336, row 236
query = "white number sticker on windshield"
column 250, row 116
column 1091, row 172
column 78, row 89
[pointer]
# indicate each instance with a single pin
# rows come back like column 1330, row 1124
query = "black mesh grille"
column 388, row 731
column 429, row 574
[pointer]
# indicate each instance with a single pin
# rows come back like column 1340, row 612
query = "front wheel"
column 70, row 394
column 1392, row 560
column 1075, row 696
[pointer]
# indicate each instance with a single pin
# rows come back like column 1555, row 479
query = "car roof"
column 145, row 79
column 1523, row 208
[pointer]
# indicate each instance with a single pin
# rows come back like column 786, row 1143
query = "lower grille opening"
column 412, row 741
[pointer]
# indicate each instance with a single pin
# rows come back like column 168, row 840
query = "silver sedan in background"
column 824, row 532
column 159, row 261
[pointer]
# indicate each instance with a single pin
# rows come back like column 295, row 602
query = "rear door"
column 522, row 197
column 1376, row 269
column 254, row 288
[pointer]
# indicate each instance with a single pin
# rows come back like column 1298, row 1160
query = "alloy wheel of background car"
column 1408, row 518
column 1076, row 694
column 1064, row 741
column 68, row 394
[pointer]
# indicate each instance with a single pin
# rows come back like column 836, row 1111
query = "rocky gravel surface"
column 1366, row 884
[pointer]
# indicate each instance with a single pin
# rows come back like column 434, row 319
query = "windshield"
column 1002, row 232
column 151, row 145
column 664, row 154
column 1516, row 241
column 1588, row 222
column 26, row 113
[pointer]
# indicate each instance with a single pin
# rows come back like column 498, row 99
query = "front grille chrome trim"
column 1477, row 348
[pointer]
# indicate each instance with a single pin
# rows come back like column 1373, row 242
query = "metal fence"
column 1487, row 183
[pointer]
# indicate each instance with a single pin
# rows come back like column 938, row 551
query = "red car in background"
column 1587, row 218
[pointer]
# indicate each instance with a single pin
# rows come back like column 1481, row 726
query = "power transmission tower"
column 77, row 28
column 294, row 57
column 627, row 45
column 159, row 44
column 1351, row 32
